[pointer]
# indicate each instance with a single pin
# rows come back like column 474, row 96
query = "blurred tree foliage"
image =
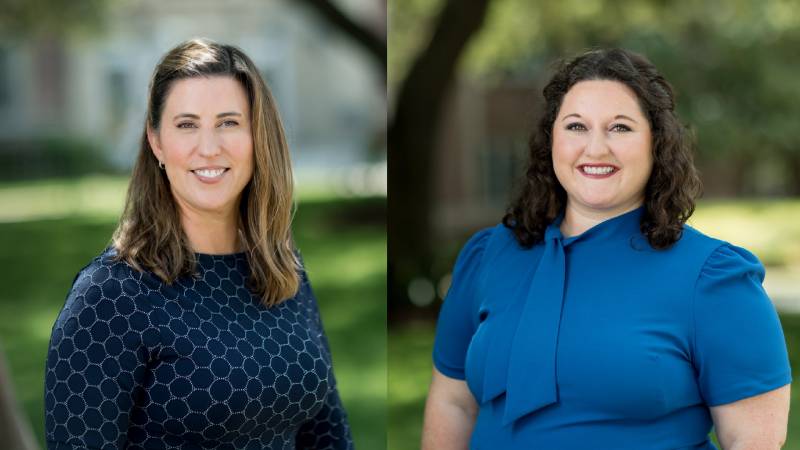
column 732, row 64
column 48, row 157
column 20, row 19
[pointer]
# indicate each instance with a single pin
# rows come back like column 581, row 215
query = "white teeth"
column 209, row 173
column 598, row 170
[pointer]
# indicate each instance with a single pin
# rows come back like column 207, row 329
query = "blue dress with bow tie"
column 600, row 341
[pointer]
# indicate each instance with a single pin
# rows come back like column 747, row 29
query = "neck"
column 578, row 219
column 214, row 234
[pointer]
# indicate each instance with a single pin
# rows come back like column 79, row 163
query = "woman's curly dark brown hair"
column 674, row 183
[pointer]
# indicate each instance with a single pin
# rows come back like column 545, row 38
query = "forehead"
column 600, row 98
column 206, row 94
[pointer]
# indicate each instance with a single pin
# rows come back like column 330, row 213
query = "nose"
column 208, row 144
column 597, row 145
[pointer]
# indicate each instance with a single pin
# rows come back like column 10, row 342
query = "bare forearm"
column 450, row 413
column 754, row 444
column 754, row 423
column 447, row 427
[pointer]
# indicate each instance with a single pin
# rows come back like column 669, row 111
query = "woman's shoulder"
column 473, row 251
column 492, row 240
column 106, row 265
column 108, row 276
column 108, row 297
column 719, row 256
column 486, row 249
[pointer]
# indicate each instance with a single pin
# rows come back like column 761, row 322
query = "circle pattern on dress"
column 136, row 363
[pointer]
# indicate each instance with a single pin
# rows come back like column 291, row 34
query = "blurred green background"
column 465, row 81
column 50, row 229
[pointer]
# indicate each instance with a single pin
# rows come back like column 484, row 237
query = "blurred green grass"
column 50, row 229
column 770, row 229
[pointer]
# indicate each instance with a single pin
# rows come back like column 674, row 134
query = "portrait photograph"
column 599, row 246
column 194, row 237
column 399, row 225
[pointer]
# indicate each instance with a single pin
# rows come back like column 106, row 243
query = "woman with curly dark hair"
column 593, row 316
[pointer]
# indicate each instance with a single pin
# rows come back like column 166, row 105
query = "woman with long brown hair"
column 197, row 327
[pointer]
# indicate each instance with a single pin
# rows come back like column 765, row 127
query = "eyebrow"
column 195, row 116
column 617, row 117
column 623, row 116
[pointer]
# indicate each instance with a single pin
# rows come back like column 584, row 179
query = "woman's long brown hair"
column 150, row 236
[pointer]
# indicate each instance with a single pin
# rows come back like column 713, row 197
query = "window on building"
column 503, row 163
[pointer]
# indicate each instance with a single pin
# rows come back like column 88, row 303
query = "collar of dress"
column 529, row 381
column 622, row 226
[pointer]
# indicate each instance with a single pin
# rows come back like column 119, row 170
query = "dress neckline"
column 211, row 258
column 621, row 226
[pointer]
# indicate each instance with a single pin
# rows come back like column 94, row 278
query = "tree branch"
column 374, row 44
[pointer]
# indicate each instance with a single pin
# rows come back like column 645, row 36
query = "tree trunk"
column 792, row 160
column 374, row 44
column 411, row 145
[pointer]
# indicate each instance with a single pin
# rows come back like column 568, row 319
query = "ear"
column 155, row 144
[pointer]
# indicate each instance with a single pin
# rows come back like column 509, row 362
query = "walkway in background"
column 783, row 287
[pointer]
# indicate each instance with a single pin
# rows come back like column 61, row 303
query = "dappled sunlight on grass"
column 101, row 196
column 38, row 324
column 410, row 365
column 768, row 228
column 345, row 262
column 791, row 329
column 347, row 309
column 93, row 195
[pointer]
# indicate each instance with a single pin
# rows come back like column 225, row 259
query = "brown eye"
column 576, row 126
column 620, row 127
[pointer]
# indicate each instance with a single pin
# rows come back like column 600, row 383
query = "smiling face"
column 602, row 148
column 205, row 143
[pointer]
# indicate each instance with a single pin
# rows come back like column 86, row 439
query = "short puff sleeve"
column 739, row 347
column 457, row 321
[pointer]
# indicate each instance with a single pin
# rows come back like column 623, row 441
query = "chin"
column 599, row 202
column 214, row 205
column 606, row 203
column 605, row 206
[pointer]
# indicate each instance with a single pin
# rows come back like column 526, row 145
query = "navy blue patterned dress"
column 135, row 363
